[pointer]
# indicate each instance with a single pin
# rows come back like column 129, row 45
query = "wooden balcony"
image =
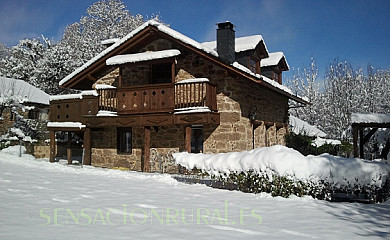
column 134, row 101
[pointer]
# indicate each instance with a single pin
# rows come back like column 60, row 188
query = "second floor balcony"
column 183, row 97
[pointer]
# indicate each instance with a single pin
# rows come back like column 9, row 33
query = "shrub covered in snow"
column 283, row 171
column 308, row 145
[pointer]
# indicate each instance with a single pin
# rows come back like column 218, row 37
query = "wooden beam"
column 369, row 135
column 146, row 163
column 355, row 141
column 87, row 147
column 52, row 146
column 361, row 143
column 187, row 138
column 69, row 150
column 120, row 77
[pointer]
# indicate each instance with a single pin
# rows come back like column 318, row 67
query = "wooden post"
column 187, row 139
column 146, row 164
column 69, row 150
column 87, row 146
column 355, row 141
column 52, row 146
column 361, row 143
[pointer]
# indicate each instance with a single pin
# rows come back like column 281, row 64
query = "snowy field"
column 42, row 200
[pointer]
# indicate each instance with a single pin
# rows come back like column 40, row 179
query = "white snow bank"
column 282, row 161
column 141, row 57
column 299, row 126
column 370, row 118
column 14, row 150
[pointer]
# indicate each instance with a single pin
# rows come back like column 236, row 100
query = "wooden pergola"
column 362, row 121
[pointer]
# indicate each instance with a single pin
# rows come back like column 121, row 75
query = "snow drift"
column 282, row 161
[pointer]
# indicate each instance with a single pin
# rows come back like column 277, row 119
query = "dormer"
column 250, row 51
column 273, row 66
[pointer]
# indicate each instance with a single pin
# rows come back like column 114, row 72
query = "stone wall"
column 236, row 98
column 164, row 140
column 41, row 151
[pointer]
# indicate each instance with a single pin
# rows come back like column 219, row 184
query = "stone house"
column 157, row 91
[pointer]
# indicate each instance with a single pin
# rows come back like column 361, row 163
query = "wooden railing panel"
column 195, row 94
column 146, row 99
column 67, row 110
column 107, row 99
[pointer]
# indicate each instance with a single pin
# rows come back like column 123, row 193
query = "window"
column 161, row 73
column 197, row 139
column 124, row 140
column 253, row 65
column 33, row 114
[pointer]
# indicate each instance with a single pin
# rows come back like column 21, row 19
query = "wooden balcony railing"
column 146, row 99
column 156, row 98
column 195, row 94
column 107, row 100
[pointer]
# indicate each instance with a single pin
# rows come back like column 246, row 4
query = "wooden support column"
column 69, row 150
column 187, row 139
column 52, row 146
column 355, row 141
column 87, row 146
column 361, row 143
column 146, row 163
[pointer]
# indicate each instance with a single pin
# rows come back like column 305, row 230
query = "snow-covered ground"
column 42, row 200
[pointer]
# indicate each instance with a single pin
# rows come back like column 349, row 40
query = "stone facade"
column 236, row 98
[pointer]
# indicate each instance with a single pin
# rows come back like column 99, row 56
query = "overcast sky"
column 357, row 30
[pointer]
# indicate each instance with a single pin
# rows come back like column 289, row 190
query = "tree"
column 305, row 83
column 44, row 63
column 21, row 61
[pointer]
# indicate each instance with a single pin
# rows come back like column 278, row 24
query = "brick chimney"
column 226, row 42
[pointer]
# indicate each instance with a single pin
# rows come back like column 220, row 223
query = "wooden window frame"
column 197, row 139
column 123, row 141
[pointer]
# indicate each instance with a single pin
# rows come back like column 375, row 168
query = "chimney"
column 226, row 42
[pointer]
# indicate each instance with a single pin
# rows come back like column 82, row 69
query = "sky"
column 357, row 31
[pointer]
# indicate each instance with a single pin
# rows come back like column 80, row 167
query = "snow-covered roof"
column 241, row 44
column 23, row 89
column 299, row 126
column 141, row 57
column 268, row 80
column 370, row 118
column 161, row 27
column 273, row 59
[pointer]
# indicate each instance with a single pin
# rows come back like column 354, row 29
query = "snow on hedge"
column 282, row 161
